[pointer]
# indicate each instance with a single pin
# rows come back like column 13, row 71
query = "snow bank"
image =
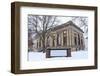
column 39, row 56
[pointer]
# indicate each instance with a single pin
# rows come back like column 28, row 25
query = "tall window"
column 78, row 39
column 75, row 39
column 82, row 42
column 58, row 40
column 37, row 44
column 65, row 38
column 40, row 43
column 48, row 41
column 53, row 38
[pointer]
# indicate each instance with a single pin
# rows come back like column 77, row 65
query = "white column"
column 69, row 33
column 68, row 38
column 72, row 38
column 62, row 39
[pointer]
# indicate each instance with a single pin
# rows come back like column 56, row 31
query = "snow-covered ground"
column 39, row 56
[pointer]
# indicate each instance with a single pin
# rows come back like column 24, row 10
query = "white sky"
column 64, row 19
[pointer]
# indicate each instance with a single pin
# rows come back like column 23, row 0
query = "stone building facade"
column 67, row 35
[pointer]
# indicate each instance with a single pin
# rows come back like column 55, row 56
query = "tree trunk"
column 44, row 47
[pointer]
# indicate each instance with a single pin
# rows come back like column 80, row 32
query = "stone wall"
column 70, row 41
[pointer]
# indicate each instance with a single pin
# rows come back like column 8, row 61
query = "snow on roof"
column 65, row 25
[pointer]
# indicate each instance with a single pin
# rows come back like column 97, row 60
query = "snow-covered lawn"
column 39, row 56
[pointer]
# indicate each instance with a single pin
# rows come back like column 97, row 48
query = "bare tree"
column 41, row 26
column 83, row 23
